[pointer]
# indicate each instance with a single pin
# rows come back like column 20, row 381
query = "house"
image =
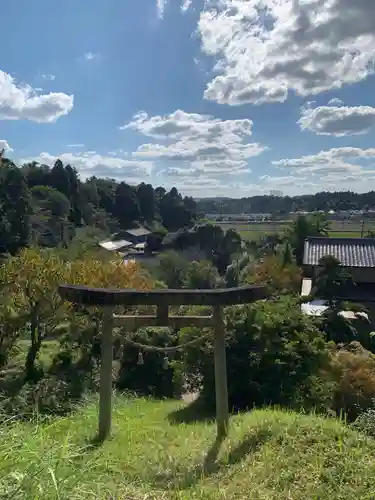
column 115, row 245
column 137, row 235
column 131, row 239
column 356, row 255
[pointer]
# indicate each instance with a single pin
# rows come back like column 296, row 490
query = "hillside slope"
column 269, row 454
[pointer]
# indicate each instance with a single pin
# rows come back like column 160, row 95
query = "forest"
column 45, row 206
column 282, row 205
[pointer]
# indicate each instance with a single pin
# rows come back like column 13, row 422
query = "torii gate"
column 162, row 299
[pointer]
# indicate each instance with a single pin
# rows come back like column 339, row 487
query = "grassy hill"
column 269, row 454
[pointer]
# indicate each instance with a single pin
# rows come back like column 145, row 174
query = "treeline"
column 44, row 206
column 341, row 200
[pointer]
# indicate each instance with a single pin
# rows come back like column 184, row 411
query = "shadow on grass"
column 194, row 412
column 184, row 479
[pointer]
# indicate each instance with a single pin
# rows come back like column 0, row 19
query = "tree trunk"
column 36, row 342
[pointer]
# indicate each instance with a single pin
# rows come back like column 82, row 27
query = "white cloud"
column 160, row 6
column 5, row 145
column 333, row 165
column 48, row 77
column 197, row 143
column 266, row 48
column 89, row 56
column 282, row 181
column 90, row 163
column 22, row 102
column 76, row 145
column 335, row 102
column 186, row 4
column 338, row 121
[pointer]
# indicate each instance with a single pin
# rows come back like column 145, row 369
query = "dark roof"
column 351, row 252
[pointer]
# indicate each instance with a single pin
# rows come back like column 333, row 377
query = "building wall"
column 359, row 274
column 362, row 274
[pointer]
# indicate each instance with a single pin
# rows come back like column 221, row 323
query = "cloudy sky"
column 215, row 97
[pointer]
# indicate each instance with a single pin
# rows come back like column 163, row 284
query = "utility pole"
column 362, row 227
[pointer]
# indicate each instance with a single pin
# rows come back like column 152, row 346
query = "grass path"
column 268, row 455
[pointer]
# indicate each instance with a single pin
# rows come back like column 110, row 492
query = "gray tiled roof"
column 351, row 252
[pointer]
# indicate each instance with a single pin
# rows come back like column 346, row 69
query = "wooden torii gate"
column 162, row 299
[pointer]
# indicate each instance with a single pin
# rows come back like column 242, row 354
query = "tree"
column 126, row 207
column 14, row 208
column 75, row 199
column 174, row 211
column 201, row 275
column 279, row 278
column 147, row 201
column 274, row 355
column 331, row 282
column 302, row 228
column 60, row 179
column 31, row 280
column 50, row 223
column 36, row 175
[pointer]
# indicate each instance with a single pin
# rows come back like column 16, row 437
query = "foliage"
column 217, row 245
column 234, row 274
column 14, row 208
column 277, row 351
column 201, row 275
column 30, row 281
column 277, row 276
column 149, row 373
column 302, row 228
column 353, row 370
column 45, row 206
column 283, row 205
column 57, row 393
column 365, row 422
column 331, row 282
column 172, row 269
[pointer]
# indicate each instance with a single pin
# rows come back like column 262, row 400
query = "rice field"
column 338, row 229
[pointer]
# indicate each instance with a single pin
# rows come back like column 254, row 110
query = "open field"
column 254, row 231
column 268, row 455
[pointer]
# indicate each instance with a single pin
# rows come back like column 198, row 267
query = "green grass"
column 268, row 455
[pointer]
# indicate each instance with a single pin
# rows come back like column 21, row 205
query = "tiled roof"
column 351, row 252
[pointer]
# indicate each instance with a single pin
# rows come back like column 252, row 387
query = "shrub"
column 172, row 269
column 57, row 393
column 352, row 368
column 150, row 372
column 274, row 354
column 201, row 275
column 276, row 276
column 366, row 422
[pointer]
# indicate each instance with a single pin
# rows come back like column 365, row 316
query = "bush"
column 201, row 275
column 366, row 422
column 150, row 372
column 352, row 368
column 274, row 355
column 279, row 278
column 172, row 269
column 57, row 393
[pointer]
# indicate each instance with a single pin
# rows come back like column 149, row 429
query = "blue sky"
column 215, row 97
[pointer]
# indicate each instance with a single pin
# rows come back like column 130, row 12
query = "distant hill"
column 337, row 201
